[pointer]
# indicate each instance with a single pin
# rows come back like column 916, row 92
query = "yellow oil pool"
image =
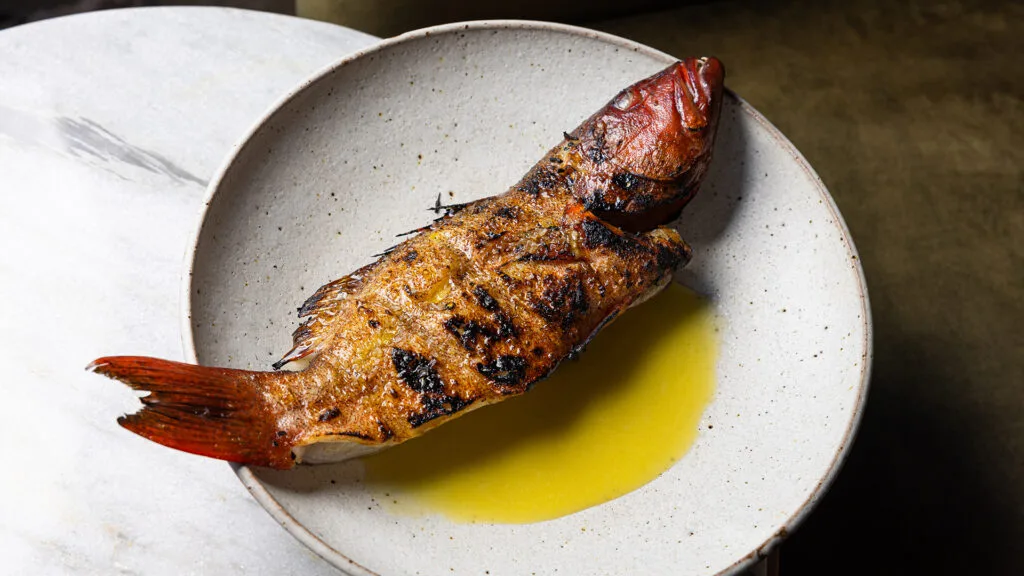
column 600, row 427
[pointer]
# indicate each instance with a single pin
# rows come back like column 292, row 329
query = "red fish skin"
column 645, row 154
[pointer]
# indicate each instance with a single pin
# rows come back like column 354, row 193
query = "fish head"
column 646, row 152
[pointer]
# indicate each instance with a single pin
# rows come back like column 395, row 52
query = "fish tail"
column 215, row 412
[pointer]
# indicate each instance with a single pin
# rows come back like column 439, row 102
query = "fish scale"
column 476, row 307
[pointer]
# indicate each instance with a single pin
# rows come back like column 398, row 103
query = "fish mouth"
column 698, row 90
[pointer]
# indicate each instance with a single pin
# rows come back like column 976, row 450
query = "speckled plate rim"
column 346, row 564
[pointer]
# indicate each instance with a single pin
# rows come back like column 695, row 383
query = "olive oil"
column 602, row 426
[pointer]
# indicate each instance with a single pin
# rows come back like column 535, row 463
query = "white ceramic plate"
column 356, row 154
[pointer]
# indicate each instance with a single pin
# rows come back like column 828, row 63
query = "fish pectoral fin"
column 215, row 412
column 314, row 333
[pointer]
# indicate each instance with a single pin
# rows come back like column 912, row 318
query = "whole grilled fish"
column 478, row 307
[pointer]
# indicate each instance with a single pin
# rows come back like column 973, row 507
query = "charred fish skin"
column 477, row 307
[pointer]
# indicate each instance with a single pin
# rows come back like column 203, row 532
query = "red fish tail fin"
column 215, row 412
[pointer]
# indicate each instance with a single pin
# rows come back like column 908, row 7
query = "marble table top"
column 111, row 123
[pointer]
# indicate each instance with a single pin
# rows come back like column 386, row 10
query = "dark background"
column 913, row 113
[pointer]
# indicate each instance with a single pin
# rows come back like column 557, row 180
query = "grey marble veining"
column 85, row 137
column 86, row 140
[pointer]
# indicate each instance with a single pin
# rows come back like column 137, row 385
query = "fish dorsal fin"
column 315, row 332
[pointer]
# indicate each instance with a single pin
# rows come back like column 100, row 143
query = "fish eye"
column 626, row 100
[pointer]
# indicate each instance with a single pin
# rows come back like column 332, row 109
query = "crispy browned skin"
column 479, row 306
